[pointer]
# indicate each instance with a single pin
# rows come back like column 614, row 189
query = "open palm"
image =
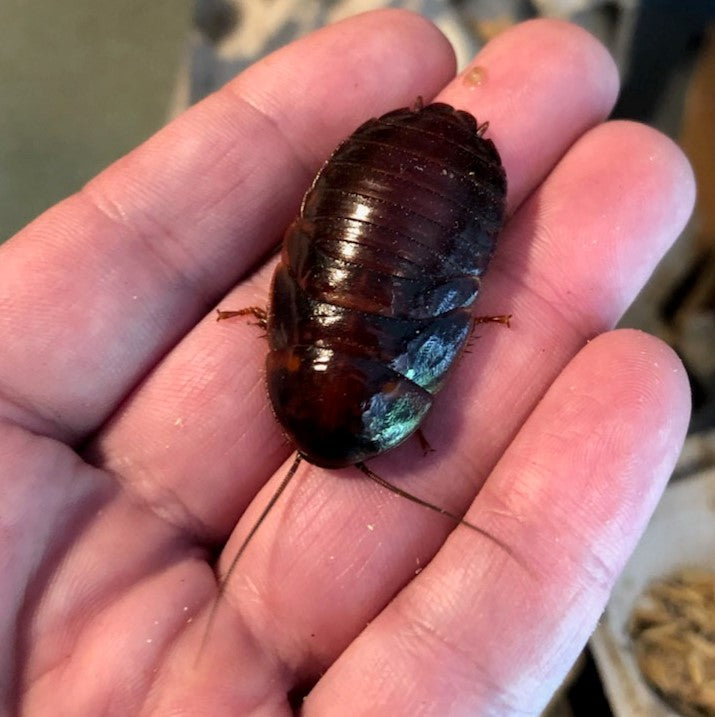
column 136, row 431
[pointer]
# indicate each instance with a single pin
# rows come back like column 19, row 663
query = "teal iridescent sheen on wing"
column 389, row 419
column 430, row 354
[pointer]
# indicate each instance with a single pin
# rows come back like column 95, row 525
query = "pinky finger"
column 476, row 633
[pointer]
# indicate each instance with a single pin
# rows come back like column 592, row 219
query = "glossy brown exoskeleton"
column 370, row 304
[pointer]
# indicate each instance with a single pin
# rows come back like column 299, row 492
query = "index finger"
column 98, row 288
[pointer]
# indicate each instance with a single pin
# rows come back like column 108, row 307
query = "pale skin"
column 137, row 441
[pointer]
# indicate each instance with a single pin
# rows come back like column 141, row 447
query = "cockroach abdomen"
column 370, row 304
column 363, row 407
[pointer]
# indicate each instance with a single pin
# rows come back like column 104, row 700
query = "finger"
column 477, row 633
column 227, row 413
column 342, row 547
column 543, row 84
column 569, row 264
column 96, row 290
column 39, row 522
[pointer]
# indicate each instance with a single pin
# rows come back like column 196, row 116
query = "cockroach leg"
column 503, row 319
column 260, row 314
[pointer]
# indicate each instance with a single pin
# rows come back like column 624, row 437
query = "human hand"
column 136, row 431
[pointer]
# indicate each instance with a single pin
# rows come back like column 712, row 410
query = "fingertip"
column 653, row 380
column 546, row 82
column 601, row 222
column 653, row 157
column 593, row 458
column 361, row 66
column 556, row 48
column 585, row 49
column 666, row 162
column 618, row 414
column 410, row 27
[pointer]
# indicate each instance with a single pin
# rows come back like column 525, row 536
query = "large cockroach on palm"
column 370, row 304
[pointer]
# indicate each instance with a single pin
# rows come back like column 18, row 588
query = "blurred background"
column 82, row 83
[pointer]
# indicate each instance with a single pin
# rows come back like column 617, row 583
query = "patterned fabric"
column 233, row 34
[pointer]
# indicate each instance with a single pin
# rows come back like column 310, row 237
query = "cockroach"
column 370, row 304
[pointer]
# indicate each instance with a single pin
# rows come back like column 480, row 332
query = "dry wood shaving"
column 673, row 631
